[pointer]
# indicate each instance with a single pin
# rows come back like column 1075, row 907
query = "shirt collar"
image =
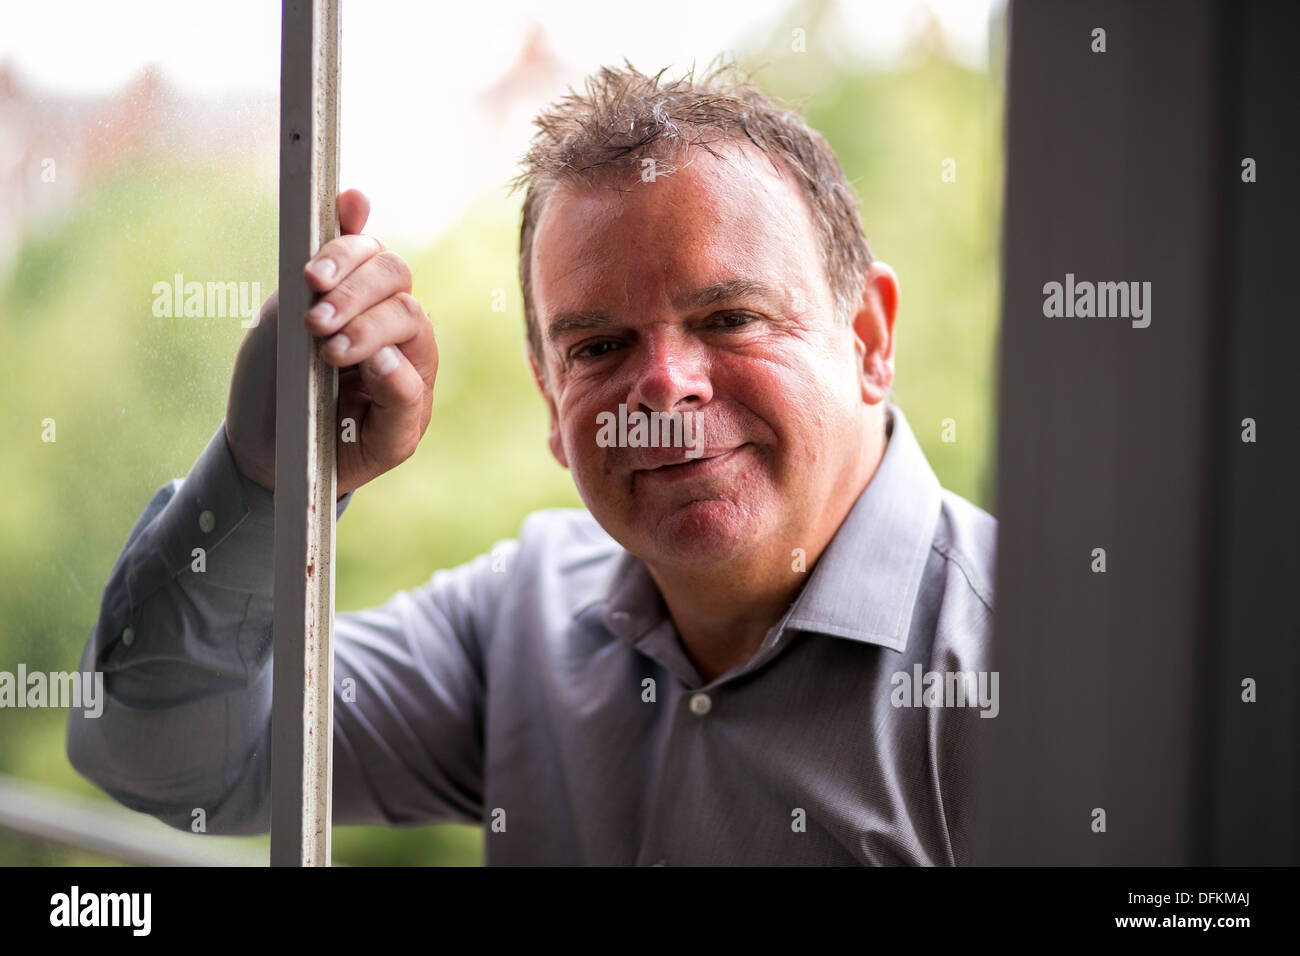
column 866, row 582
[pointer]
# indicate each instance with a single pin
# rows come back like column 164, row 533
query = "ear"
column 557, row 445
column 873, row 332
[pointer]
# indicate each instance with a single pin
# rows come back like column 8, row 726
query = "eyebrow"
column 726, row 290
column 564, row 323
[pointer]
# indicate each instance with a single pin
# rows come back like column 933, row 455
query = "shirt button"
column 207, row 521
column 128, row 637
column 701, row 704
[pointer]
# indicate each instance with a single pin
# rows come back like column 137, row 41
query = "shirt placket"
column 668, row 823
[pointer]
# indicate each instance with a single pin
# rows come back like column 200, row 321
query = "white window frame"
column 302, row 712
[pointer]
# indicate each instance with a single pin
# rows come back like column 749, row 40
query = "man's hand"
column 373, row 330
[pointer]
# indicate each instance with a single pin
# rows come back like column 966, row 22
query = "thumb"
column 354, row 210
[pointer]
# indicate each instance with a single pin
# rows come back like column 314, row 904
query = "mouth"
column 682, row 468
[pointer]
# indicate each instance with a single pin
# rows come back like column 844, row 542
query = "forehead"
column 711, row 219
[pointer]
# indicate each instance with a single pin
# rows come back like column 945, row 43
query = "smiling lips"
column 670, row 464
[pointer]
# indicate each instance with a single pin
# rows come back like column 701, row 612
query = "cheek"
column 808, row 410
column 578, row 429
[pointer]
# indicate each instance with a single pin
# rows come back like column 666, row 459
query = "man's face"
column 701, row 292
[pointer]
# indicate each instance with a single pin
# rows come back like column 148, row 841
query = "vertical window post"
column 305, row 467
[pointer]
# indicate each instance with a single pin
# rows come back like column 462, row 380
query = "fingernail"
column 325, row 268
column 385, row 360
column 321, row 312
column 338, row 345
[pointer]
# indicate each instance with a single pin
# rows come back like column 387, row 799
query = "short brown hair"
column 624, row 113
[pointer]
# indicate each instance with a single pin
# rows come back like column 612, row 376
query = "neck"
column 723, row 612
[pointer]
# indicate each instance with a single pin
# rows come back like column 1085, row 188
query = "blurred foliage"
column 136, row 398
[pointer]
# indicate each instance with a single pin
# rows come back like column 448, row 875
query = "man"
column 709, row 664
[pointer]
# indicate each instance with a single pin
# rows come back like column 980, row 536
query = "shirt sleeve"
column 184, row 640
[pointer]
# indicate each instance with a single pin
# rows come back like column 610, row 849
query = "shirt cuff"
column 218, row 520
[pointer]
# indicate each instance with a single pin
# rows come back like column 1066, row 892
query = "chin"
column 701, row 532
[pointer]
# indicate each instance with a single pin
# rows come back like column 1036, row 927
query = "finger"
column 337, row 259
column 354, row 210
column 399, row 407
column 371, row 283
column 396, row 320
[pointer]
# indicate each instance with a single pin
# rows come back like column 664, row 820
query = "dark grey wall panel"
column 1257, row 811
column 1116, row 686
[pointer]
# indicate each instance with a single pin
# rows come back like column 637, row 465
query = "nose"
column 670, row 373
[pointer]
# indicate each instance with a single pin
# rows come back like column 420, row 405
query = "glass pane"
column 140, row 236
column 138, row 239
column 434, row 137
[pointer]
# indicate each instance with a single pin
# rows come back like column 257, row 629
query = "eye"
column 593, row 349
column 733, row 320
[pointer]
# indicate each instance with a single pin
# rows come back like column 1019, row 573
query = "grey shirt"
column 542, row 691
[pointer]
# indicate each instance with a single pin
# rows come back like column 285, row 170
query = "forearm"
column 184, row 641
